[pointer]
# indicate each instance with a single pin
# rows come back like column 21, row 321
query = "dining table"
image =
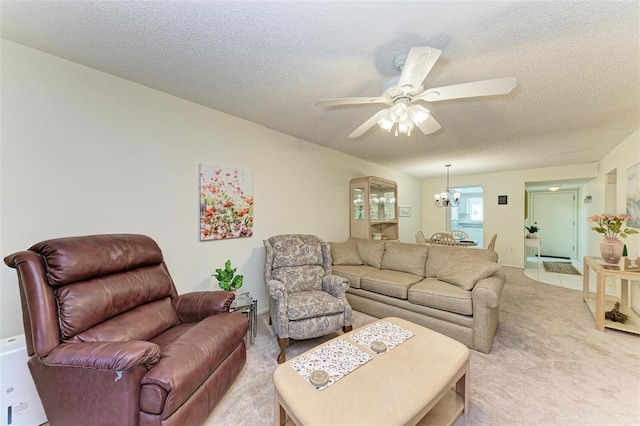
column 458, row 243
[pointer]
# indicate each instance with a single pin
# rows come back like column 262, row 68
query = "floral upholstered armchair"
column 306, row 300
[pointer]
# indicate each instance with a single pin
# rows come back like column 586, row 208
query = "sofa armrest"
column 117, row 356
column 487, row 292
column 335, row 285
column 198, row 305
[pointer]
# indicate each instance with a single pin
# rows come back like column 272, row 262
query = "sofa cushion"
column 353, row 272
column 438, row 256
column 390, row 283
column 465, row 269
column 345, row 253
column 371, row 251
column 438, row 294
column 405, row 257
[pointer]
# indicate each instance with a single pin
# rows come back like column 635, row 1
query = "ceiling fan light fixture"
column 399, row 111
column 405, row 127
column 386, row 122
column 418, row 114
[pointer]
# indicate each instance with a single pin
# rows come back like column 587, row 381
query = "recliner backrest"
column 299, row 261
column 105, row 288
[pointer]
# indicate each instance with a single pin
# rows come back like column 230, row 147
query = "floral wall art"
column 633, row 195
column 226, row 203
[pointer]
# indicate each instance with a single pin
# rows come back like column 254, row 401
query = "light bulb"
column 386, row 122
column 456, row 196
column 405, row 127
column 398, row 112
column 418, row 114
column 437, row 197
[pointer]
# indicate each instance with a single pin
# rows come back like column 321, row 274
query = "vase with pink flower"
column 610, row 225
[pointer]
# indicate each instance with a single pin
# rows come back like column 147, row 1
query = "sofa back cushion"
column 371, row 251
column 465, row 269
column 345, row 253
column 405, row 257
column 438, row 256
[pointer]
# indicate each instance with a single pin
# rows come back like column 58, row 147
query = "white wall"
column 624, row 156
column 84, row 152
column 505, row 220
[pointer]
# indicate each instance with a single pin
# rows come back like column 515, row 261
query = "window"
column 475, row 208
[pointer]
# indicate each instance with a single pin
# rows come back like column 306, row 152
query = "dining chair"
column 459, row 234
column 443, row 238
column 420, row 238
column 492, row 242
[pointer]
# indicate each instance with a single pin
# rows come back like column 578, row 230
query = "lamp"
column 403, row 116
column 445, row 199
column 553, row 188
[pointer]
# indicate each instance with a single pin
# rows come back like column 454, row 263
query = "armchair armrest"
column 117, row 356
column 335, row 285
column 198, row 305
column 277, row 290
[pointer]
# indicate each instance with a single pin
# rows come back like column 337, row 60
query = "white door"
column 554, row 213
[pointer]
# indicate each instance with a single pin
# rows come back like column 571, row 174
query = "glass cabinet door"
column 383, row 202
column 358, row 204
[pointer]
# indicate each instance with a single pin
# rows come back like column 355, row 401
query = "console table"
column 597, row 302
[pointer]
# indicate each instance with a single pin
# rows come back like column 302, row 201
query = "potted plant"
column 227, row 278
column 610, row 226
column 532, row 231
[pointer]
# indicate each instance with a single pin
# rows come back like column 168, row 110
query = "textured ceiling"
column 577, row 65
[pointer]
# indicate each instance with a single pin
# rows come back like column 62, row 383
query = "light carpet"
column 548, row 366
column 560, row 268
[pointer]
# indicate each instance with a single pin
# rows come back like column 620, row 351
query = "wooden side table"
column 249, row 307
column 597, row 302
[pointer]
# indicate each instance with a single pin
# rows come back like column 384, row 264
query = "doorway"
column 468, row 216
column 555, row 214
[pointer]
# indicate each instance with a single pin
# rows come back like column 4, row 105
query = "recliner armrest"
column 335, row 285
column 198, row 305
column 117, row 356
column 277, row 290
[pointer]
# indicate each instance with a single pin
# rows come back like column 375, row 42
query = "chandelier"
column 444, row 199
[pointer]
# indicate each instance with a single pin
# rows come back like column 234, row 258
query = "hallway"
column 563, row 280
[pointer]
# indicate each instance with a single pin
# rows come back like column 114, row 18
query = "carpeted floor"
column 548, row 366
column 560, row 268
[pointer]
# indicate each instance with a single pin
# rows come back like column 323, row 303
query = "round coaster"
column 378, row 346
column 319, row 378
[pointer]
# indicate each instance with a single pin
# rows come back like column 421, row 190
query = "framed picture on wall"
column 633, row 195
column 226, row 203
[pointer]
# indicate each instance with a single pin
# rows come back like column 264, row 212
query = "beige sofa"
column 452, row 290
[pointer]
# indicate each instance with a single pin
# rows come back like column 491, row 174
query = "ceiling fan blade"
column 418, row 64
column 368, row 124
column 430, row 125
column 353, row 101
column 499, row 86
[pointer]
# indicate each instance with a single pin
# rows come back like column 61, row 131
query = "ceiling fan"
column 402, row 94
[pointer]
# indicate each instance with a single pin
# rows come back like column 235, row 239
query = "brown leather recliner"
column 109, row 340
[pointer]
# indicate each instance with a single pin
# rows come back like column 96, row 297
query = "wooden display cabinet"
column 373, row 208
